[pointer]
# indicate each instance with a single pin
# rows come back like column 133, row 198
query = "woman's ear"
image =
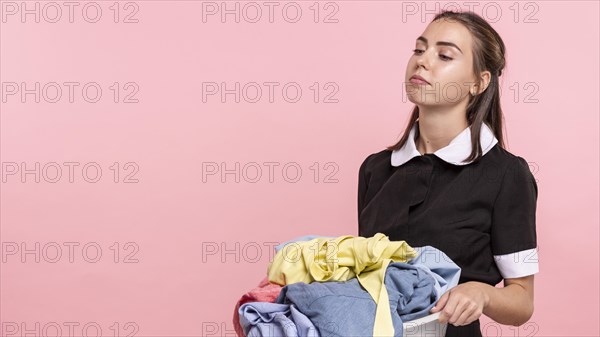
column 484, row 79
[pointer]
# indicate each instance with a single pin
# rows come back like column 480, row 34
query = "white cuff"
column 518, row 264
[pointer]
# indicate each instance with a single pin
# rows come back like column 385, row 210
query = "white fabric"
column 454, row 153
column 519, row 264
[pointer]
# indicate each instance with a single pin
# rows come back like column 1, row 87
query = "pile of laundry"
column 319, row 286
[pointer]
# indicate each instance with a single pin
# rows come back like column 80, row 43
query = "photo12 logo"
column 68, row 252
column 68, row 329
column 69, row 92
column 271, row 92
column 69, row 11
column 71, row 172
column 253, row 172
column 270, row 12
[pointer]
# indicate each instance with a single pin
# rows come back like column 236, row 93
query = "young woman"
column 450, row 183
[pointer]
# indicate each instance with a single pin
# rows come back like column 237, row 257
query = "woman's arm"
column 513, row 233
column 511, row 305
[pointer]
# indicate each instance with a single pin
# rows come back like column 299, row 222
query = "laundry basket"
column 427, row 326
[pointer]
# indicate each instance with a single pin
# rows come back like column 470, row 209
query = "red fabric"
column 265, row 292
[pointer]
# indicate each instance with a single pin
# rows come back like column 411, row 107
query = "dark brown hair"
column 488, row 54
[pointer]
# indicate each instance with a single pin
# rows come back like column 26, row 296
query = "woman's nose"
column 422, row 60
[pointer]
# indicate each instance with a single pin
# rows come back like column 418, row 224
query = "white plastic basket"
column 427, row 326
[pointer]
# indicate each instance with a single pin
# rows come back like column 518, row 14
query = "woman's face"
column 444, row 58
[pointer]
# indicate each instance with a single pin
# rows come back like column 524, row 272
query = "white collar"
column 454, row 153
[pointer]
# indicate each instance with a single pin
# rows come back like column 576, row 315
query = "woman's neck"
column 437, row 130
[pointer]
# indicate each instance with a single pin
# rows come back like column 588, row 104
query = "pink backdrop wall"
column 151, row 246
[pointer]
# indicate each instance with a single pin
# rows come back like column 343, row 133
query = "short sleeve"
column 513, row 233
column 362, row 188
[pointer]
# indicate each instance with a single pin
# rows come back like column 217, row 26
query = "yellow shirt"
column 340, row 259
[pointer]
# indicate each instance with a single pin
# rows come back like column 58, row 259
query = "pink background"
column 172, row 219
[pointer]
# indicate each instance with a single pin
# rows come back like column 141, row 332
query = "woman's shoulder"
column 377, row 158
column 511, row 164
column 505, row 155
column 497, row 157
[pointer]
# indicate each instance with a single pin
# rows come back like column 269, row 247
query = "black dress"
column 472, row 212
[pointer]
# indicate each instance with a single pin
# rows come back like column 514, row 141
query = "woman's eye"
column 420, row 51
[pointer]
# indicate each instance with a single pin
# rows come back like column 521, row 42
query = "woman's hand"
column 462, row 304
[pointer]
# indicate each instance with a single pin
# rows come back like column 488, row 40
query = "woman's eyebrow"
column 440, row 43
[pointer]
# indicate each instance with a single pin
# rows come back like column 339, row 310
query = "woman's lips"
column 417, row 81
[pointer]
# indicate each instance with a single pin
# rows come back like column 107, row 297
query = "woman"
column 450, row 183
